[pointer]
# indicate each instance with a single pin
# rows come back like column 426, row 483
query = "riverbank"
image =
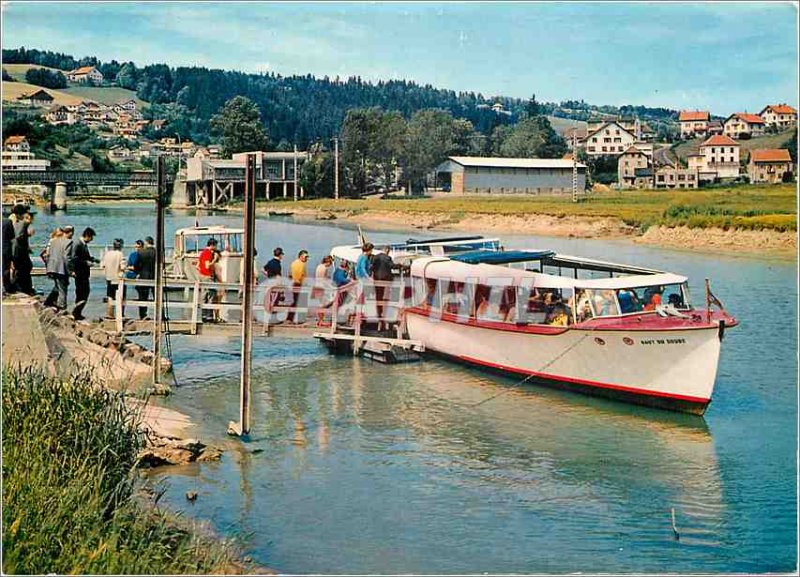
column 772, row 242
column 75, row 435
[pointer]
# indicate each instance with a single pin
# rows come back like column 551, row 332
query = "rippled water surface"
column 357, row 467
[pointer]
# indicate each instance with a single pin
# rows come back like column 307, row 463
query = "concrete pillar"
column 302, row 192
column 60, row 196
column 285, row 188
column 180, row 195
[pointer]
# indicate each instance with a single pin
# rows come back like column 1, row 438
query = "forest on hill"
column 302, row 109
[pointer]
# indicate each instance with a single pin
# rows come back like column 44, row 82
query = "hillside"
column 13, row 90
column 685, row 148
column 103, row 94
column 561, row 125
column 17, row 71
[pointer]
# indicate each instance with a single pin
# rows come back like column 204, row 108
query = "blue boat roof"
column 501, row 257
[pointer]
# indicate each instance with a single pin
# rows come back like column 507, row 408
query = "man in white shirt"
column 113, row 265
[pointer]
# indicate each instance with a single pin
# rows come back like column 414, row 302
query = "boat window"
column 583, row 306
column 603, row 302
column 457, row 298
column 637, row 299
column 489, row 303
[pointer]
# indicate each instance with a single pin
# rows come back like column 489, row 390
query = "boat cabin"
column 543, row 288
column 189, row 242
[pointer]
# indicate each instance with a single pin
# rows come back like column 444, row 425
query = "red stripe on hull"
column 684, row 403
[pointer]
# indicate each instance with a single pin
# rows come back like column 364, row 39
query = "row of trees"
column 46, row 78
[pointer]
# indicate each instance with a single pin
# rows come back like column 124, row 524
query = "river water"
column 358, row 467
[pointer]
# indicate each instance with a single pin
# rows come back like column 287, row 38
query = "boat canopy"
column 495, row 275
column 501, row 257
column 207, row 231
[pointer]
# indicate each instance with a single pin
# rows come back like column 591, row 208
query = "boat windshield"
column 591, row 303
column 226, row 242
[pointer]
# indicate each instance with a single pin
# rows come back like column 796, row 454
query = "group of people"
column 17, row 264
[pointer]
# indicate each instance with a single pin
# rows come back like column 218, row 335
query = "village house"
column 719, row 154
column 60, row 114
column 640, row 130
column 694, row 123
column 17, row 155
column 634, row 169
column 128, row 106
column 770, row 165
column 609, row 139
column 85, row 75
column 38, row 98
column 676, row 177
column 740, row 123
column 159, row 123
column 120, row 154
column 781, row 116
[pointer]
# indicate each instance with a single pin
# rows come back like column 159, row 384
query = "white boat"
column 189, row 242
column 403, row 253
column 578, row 324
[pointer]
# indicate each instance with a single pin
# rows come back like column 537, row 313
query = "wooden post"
column 242, row 428
column 336, row 169
column 118, row 305
column 158, row 318
column 294, row 186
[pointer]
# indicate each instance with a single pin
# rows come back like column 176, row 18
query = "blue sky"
column 721, row 56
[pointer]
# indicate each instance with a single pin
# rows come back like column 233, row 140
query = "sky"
column 723, row 57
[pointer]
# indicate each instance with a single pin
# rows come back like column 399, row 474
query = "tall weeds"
column 69, row 505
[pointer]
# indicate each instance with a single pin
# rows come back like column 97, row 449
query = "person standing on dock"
column 81, row 267
column 146, row 271
column 298, row 273
column 8, row 246
column 113, row 265
column 273, row 266
column 22, row 254
column 206, row 264
column 59, row 267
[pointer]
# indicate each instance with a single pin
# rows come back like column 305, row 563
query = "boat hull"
column 672, row 370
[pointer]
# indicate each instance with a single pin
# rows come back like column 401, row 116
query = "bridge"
column 80, row 177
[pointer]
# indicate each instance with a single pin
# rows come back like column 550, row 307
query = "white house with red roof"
column 740, row 123
column 610, row 139
column 85, row 75
column 718, row 154
column 770, row 165
column 694, row 123
column 782, row 116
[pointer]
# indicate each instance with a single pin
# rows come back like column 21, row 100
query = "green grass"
column 103, row 94
column 743, row 206
column 69, row 500
column 17, row 71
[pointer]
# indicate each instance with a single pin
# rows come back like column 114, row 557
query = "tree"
column 239, row 125
column 530, row 138
column 7, row 76
column 372, row 143
column 791, row 145
column 532, row 108
column 429, row 141
column 317, row 173
column 127, row 76
column 45, row 78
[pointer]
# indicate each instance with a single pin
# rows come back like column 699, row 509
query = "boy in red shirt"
column 209, row 257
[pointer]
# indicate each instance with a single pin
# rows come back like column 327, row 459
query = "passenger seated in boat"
column 558, row 314
column 604, row 303
column 675, row 300
column 628, row 301
column 652, row 297
column 488, row 311
column 583, row 306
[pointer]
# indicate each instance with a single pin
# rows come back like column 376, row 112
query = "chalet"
column 85, row 75
column 694, row 123
column 714, row 127
column 610, row 138
column 781, row 116
column 498, row 108
column 740, row 123
column 159, row 123
column 128, row 106
column 634, row 169
column 719, row 154
column 120, row 154
column 60, row 114
column 38, row 98
column 641, row 130
column 770, row 165
column 16, row 144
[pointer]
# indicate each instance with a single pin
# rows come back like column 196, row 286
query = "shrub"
column 69, row 450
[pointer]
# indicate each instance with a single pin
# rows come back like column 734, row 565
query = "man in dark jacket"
column 22, row 254
column 8, row 245
column 381, row 267
column 81, row 267
column 146, row 269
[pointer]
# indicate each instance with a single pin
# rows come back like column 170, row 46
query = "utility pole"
column 575, row 163
column 336, row 169
column 294, row 158
column 242, row 428
column 161, row 200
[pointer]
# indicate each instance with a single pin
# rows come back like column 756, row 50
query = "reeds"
column 69, row 487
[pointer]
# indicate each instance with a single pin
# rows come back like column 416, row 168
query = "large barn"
column 489, row 175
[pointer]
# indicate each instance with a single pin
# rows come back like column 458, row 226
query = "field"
column 103, row 94
column 749, row 207
column 17, row 71
column 561, row 125
column 13, row 90
column 684, row 149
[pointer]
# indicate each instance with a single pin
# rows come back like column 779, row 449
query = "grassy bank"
column 749, row 207
column 69, row 488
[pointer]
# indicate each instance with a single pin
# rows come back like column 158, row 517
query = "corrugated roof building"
column 492, row 175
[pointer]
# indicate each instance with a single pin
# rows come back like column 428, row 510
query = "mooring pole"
column 336, row 169
column 243, row 426
column 161, row 199
column 294, row 169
